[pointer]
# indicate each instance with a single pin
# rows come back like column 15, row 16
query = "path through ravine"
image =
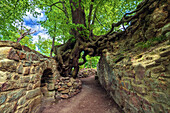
column 92, row 99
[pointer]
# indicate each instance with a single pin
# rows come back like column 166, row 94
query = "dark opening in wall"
column 46, row 77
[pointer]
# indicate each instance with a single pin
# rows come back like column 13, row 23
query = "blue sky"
column 30, row 22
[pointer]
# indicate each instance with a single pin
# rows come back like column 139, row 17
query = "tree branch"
column 24, row 34
column 128, row 19
column 90, row 13
column 56, row 3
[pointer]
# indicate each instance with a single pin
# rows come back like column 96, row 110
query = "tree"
column 85, row 26
column 82, row 18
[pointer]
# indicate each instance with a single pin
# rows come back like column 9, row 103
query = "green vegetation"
column 91, row 62
column 150, row 42
column 74, row 26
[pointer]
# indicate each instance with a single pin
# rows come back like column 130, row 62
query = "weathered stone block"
column 21, row 101
column 8, row 85
column 50, row 86
column 69, row 84
column 34, row 57
column 140, row 89
column 14, row 95
column 2, row 98
column 130, row 108
column 34, row 102
column 61, row 89
column 49, row 94
column 158, row 69
column 20, row 69
column 8, row 107
column 65, row 91
column 26, row 70
column 37, row 84
column 8, row 65
column 33, row 93
column 161, row 97
column 127, row 85
column 140, row 72
column 137, row 82
column 25, row 79
column 147, row 108
column 10, row 44
column 5, row 51
column 64, row 96
column 25, row 48
column 21, row 55
column 16, row 77
column 32, row 70
column 24, row 85
column 13, row 55
column 27, row 63
column 3, row 76
column 29, row 87
column 165, row 29
column 159, row 108
column 135, row 101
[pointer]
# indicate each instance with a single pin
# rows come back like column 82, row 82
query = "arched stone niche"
column 47, row 83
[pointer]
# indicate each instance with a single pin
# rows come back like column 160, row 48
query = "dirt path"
column 92, row 99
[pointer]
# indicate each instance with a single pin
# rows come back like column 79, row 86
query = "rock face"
column 67, row 87
column 22, row 72
column 139, row 79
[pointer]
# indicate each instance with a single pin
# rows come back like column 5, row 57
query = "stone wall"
column 138, row 77
column 23, row 74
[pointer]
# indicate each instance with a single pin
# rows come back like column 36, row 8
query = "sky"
column 30, row 22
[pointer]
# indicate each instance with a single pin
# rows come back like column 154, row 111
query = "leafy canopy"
column 58, row 22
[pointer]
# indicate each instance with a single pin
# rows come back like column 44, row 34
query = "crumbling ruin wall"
column 23, row 75
column 137, row 74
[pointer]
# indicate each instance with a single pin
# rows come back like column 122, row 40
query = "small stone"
column 50, row 86
column 65, row 91
column 69, row 84
column 66, row 78
column 61, row 89
column 72, row 80
column 20, row 69
column 56, row 87
column 16, row 77
column 65, row 86
column 75, row 85
column 26, row 70
column 64, row 96
column 22, row 55
column 57, row 97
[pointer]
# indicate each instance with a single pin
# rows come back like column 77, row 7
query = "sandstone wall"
column 21, row 74
column 138, row 79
